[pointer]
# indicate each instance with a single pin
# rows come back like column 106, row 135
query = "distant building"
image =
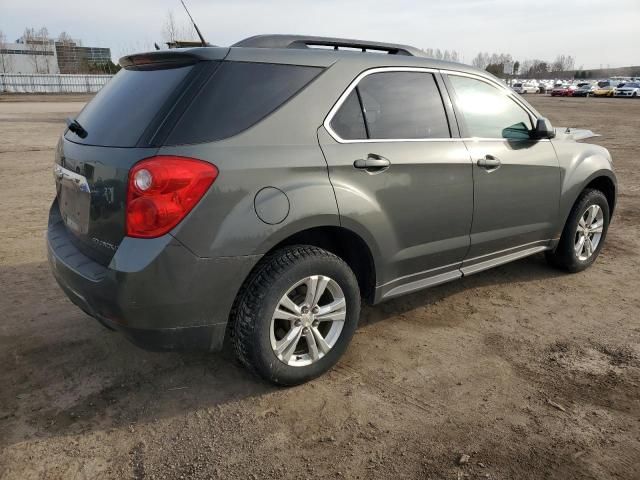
column 73, row 58
column 184, row 44
column 20, row 57
column 51, row 56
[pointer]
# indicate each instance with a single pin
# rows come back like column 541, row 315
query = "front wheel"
column 295, row 315
column 584, row 233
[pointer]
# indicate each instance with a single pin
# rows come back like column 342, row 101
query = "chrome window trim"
column 502, row 139
column 354, row 83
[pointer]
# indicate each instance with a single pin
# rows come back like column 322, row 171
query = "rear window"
column 237, row 96
column 127, row 105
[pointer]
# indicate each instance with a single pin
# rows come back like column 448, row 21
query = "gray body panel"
column 431, row 217
column 516, row 205
column 417, row 213
column 151, row 285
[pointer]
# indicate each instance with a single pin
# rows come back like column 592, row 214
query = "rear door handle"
column 489, row 162
column 372, row 164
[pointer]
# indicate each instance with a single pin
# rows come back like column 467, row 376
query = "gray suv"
column 255, row 194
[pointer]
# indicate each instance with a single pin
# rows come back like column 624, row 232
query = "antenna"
column 204, row 43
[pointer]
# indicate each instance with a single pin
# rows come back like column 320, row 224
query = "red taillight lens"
column 162, row 190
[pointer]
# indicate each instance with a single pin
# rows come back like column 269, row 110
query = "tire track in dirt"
column 398, row 393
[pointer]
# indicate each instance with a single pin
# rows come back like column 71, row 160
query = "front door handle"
column 489, row 162
column 372, row 164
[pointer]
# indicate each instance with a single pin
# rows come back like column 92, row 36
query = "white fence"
column 32, row 83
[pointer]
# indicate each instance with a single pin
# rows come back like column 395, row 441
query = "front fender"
column 580, row 164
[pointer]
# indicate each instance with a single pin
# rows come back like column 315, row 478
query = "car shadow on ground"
column 65, row 374
column 530, row 269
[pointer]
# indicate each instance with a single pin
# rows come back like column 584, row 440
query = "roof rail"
column 303, row 41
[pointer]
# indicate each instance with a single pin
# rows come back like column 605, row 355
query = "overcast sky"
column 594, row 32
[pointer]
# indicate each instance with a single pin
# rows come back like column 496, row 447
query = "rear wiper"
column 76, row 128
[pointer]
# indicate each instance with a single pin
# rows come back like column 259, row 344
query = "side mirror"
column 544, row 129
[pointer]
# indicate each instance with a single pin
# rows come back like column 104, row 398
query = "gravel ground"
column 521, row 372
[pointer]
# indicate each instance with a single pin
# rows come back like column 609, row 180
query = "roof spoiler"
column 301, row 41
column 171, row 58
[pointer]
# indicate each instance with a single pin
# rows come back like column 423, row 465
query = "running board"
column 494, row 262
column 459, row 273
column 422, row 283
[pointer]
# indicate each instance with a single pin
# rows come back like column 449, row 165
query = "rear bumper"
column 155, row 291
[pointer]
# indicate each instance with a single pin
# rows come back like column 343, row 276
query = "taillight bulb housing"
column 162, row 190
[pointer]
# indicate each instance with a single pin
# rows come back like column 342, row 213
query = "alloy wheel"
column 589, row 232
column 308, row 321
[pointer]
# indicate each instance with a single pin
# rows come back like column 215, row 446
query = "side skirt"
column 388, row 291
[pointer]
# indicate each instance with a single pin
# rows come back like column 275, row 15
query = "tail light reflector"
column 162, row 190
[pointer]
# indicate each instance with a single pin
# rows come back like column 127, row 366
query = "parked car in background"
column 262, row 191
column 630, row 89
column 545, row 87
column 584, row 90
column 605, row 91
column 523, row 88
column 561, row 90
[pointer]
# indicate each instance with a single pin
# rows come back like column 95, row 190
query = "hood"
column 574, row 134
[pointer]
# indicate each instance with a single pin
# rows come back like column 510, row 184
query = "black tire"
column 565, row 256
column 260, row 296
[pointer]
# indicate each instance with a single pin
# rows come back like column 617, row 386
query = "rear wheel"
column 296, row 315
column 584, row 233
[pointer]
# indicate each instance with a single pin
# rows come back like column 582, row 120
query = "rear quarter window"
column 237, row 96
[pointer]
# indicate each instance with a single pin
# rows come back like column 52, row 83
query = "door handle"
column 489, row 162
column 372, row 164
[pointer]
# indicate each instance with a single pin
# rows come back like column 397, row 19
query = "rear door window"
column 123, row 109
column 403, row 105
column 393, row 106
column 237, row 96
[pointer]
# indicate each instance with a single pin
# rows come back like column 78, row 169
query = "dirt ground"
column 533, row 373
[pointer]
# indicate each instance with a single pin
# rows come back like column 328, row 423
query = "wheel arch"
column 344, row 243
column 607, row 186
column 602, row 180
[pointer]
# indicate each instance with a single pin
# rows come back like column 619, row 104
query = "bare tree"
column 563, row 63
column 481, row 60
column 39, row 44
column 169, row 28
column 5, row 58
column 65, row 39
column 448, row 55
column 172, row 31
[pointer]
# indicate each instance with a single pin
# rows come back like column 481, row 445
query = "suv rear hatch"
column 122, row 125
column 158, row 99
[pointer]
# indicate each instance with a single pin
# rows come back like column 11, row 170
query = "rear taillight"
column 162, row 190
